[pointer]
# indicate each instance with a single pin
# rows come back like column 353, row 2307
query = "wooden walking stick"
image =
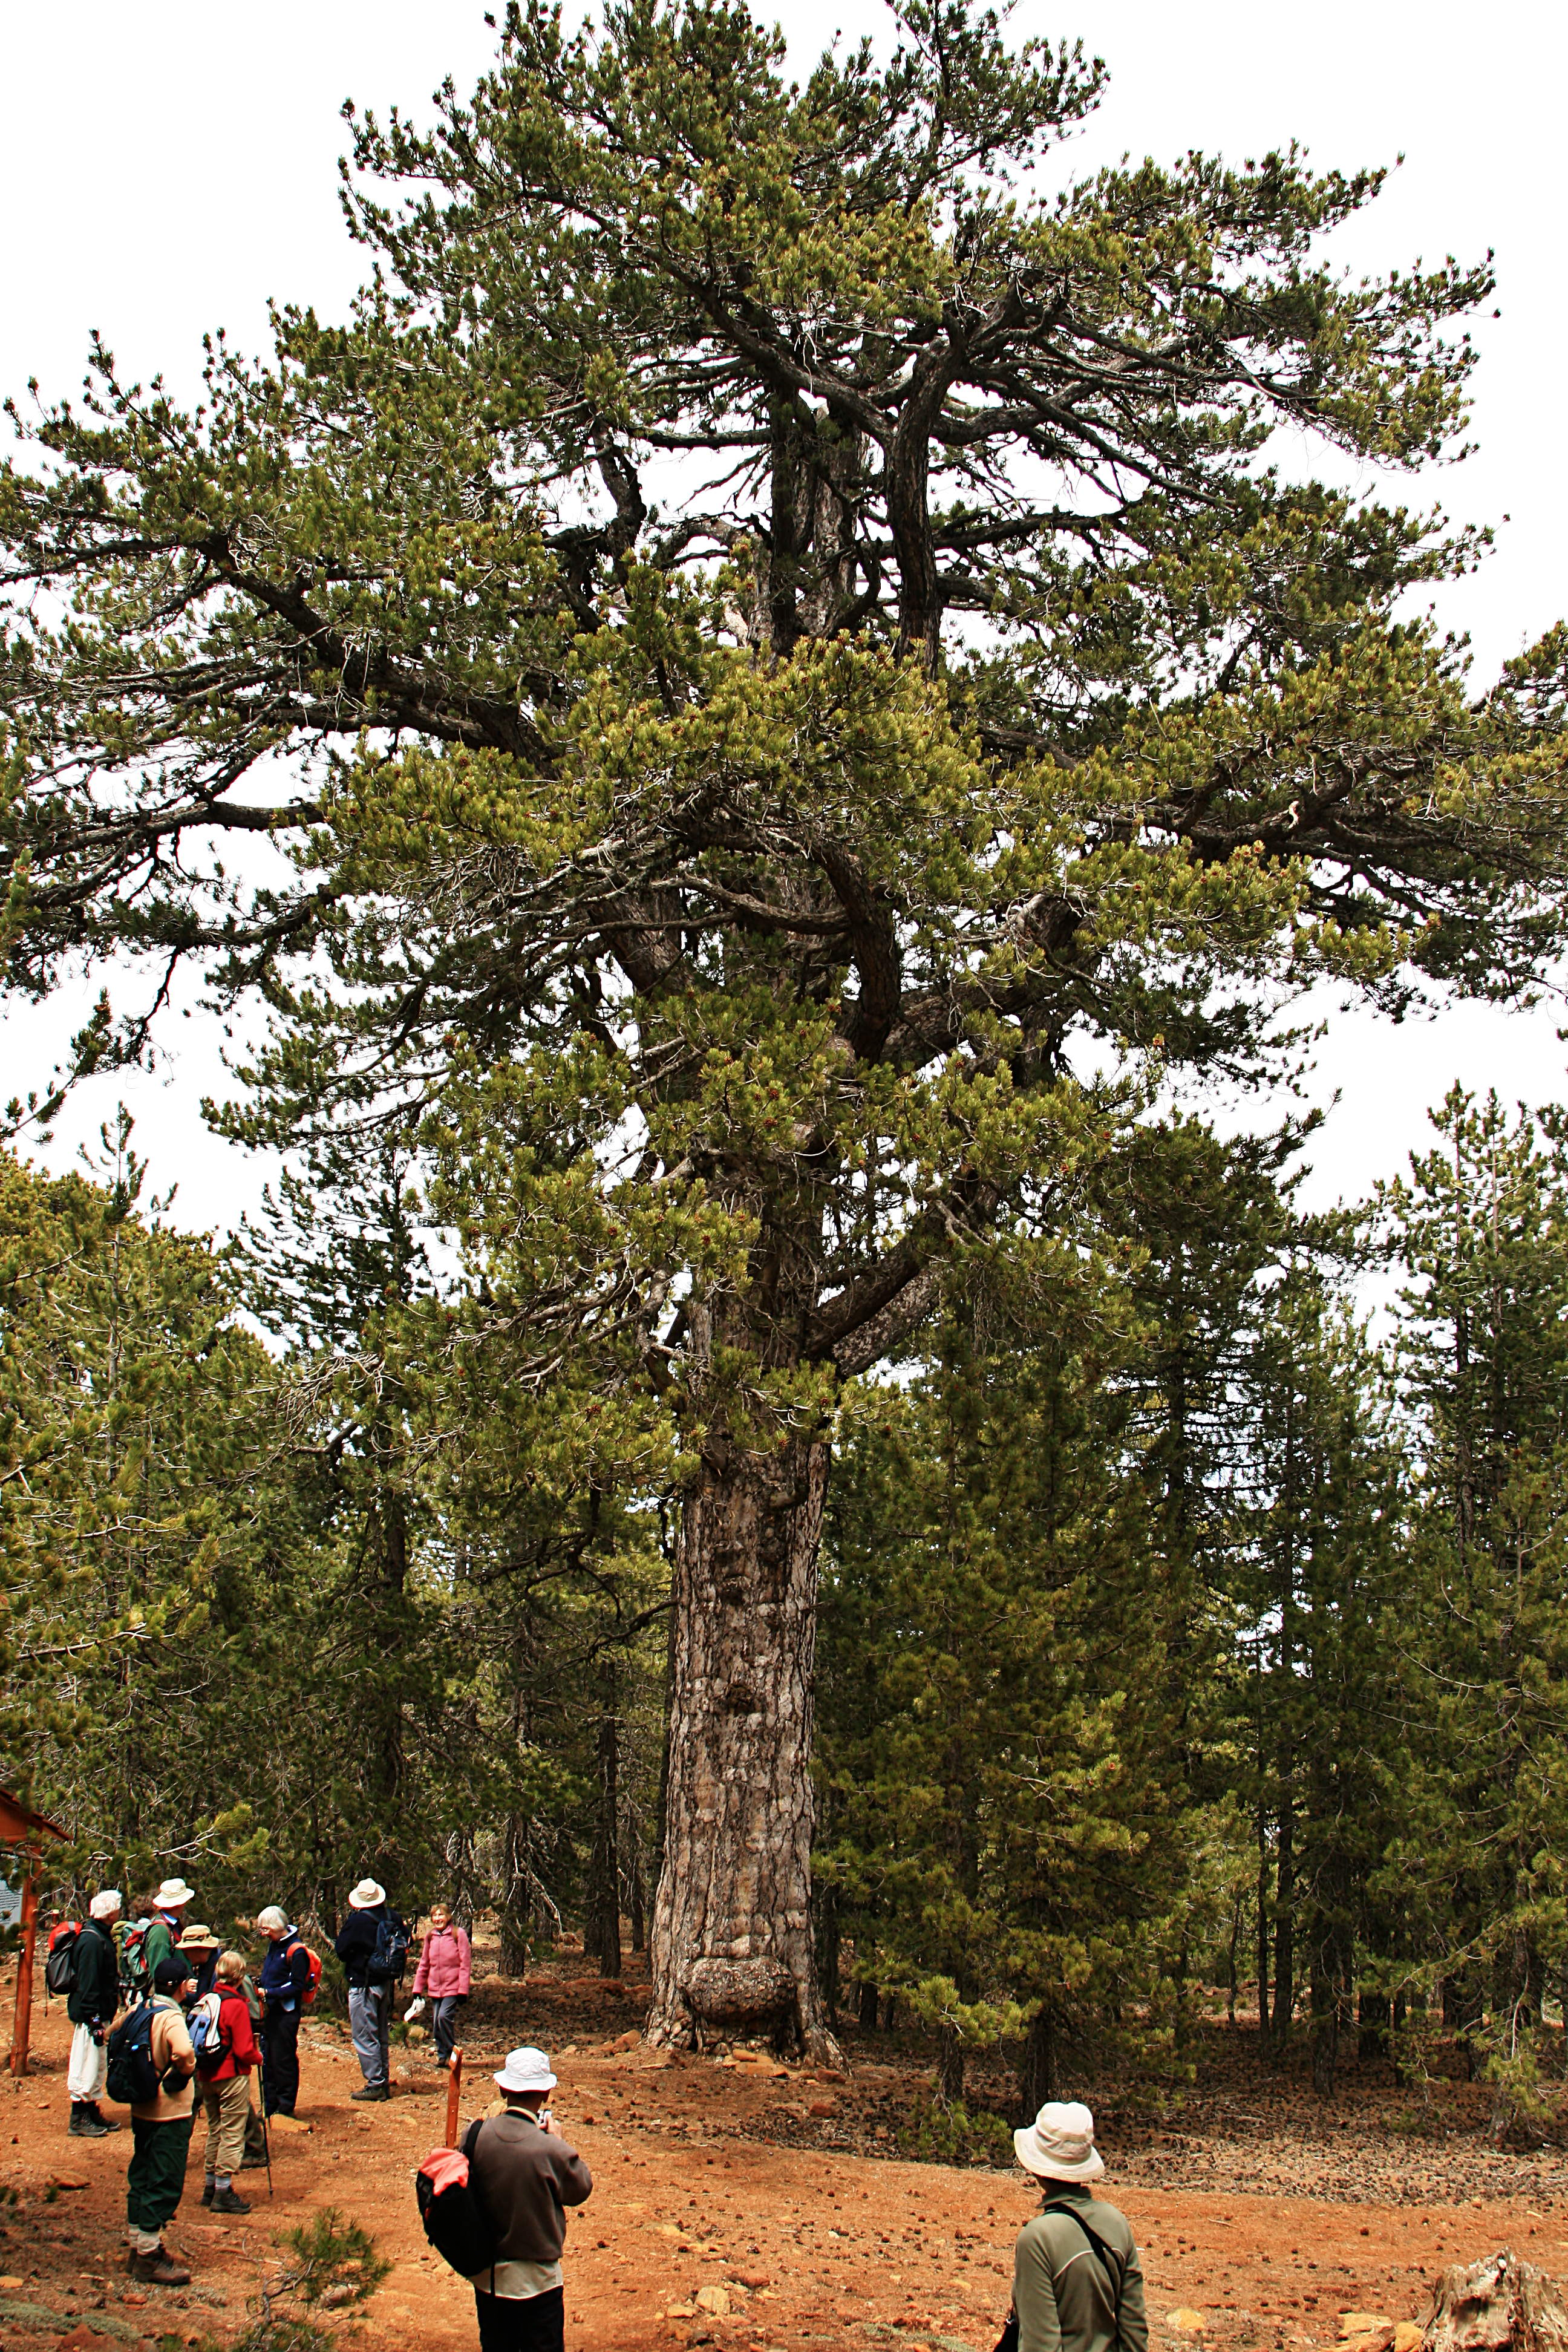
column 454, row 2093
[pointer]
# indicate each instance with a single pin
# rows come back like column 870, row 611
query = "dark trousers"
column 444, row 2016
column 155, row 2177
column 280, row 2060
column 537, row 2325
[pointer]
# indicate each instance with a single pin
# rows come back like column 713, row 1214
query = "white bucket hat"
column 366, row 1895
column 1059, row 2144
column 173, row 1893
column 526, row 2070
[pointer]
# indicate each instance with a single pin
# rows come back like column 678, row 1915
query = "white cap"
column 106, row 1903
column 527, row 2069
column 1059, row 2144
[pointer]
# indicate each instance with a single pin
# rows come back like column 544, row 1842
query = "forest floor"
column 743, row 2204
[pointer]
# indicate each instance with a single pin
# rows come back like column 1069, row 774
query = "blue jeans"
column 370, row 2022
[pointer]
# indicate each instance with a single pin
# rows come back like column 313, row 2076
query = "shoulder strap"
column 470, row 2138
column 1113, row 2263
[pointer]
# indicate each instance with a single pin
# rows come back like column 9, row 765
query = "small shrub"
column 332, row 2264
column 935, row 2133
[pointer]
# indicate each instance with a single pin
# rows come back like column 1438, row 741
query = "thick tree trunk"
column 731, row 1931
column 871, row 2001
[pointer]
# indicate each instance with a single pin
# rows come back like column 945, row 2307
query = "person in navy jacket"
column 285, row 1976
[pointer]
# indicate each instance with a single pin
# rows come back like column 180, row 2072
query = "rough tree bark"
column 732, row 1932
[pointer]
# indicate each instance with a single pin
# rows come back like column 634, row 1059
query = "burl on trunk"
column 732, row 1943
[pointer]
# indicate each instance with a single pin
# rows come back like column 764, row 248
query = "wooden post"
column 22, row 2028
column 454, row 2094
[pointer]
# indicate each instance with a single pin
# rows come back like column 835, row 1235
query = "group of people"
column 197, row 2025
column 193, row 2015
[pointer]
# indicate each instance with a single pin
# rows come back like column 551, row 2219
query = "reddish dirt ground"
column 1268, row 2224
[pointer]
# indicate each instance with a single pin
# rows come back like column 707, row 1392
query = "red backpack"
column 313, row 1981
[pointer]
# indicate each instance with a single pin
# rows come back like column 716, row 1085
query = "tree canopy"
column 746, row 707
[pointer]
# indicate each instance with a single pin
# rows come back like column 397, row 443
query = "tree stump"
column 1498, row 2304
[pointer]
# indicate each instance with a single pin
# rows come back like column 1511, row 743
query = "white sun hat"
column 527, row 2069
column 367, row 1894
column 1059, row 2144
column 173, row 1893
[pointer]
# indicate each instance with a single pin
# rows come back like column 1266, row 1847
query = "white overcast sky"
column 165, row 170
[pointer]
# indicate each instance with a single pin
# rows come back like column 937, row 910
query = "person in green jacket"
column 167, row 1924
column 91, row 2004
column 1077, row 2286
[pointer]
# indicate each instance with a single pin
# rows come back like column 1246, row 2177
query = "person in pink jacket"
column 445, row 1964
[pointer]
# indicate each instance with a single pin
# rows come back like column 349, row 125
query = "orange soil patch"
column 805, row 2247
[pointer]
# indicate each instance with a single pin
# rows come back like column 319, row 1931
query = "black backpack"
column 453, row 2217
column 389, row 1954
column 133, row 2078
column 59, row 1969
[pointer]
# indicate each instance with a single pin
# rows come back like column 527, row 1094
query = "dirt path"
column 803, row 2246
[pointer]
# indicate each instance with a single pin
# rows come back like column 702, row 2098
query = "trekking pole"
column 267, row 2146
column 454, row 2093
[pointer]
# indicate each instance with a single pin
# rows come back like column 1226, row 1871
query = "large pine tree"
column 770, row 645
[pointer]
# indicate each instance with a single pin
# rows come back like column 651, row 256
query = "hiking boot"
column 372, row 2091
column 209, row 2190
column 158, row 2270
column 86, row 2123
column 227, row 2202
column 109, row 2123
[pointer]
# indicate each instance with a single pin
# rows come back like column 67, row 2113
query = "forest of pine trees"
column 1183, row 1626
column 787, row 679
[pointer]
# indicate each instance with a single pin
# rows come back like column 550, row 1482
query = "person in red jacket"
column 446, row 1965
column 225, row 2079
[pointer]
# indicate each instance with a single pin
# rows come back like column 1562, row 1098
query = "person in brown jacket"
column 523, row 2174
column 160, row 2129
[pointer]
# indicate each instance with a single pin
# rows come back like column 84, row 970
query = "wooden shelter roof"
column 19, row 1825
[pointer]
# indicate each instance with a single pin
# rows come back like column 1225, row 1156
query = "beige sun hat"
column 1059, row 2144
column 197, row 1936
column 174, row 1894
column 367, row 1894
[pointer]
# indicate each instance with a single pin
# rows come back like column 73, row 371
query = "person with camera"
column 523, row 2173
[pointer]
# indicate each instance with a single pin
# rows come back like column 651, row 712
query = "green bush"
column 935, row 2133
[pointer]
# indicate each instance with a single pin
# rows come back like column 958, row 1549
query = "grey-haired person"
column 1077, row 2284
column 90, row 2005
column 285, row 1976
